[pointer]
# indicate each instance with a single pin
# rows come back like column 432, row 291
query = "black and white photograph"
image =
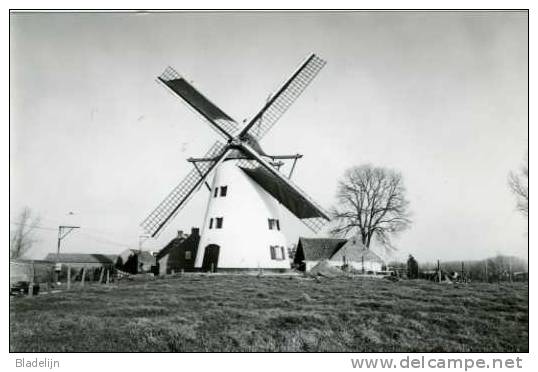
column 242, row 181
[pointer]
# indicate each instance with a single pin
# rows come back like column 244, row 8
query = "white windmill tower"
column 242, row 223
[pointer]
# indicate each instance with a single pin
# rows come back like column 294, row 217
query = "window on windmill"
column 210, row 223
column 277, row 253
column 219, row 222
column 273, row 252
column 273, row 224
column 216, row 192
column 223, row 190
column 188, row 255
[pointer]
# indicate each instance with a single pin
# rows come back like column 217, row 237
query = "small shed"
column 94, row 263
column 136, row 261
column 180, row 253
column 23, row 270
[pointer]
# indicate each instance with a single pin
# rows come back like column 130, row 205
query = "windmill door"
column 211, row 258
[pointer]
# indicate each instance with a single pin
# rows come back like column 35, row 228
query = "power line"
column 100, row 239
column 35, row 227
column 105, row 240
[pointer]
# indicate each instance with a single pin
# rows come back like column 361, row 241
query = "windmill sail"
column 293, row 198
column 242, row 146
column 282, row 189
column 216, row 118
column 177, row 198
column 277, row 105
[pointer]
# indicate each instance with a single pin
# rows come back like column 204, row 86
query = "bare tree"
column 519, row 184
column 21, row 239
column 372, row 203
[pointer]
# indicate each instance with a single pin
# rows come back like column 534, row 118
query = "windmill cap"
column 252, row 142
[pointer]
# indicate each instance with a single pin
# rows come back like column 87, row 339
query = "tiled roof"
column 320, row 248
column 82, row 258
column 354, row 250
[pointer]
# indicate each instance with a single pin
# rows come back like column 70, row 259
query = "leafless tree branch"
column 371, row 203
column 21, row 239
column 519, row 184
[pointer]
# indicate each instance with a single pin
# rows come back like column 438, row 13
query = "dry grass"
column 240, row 313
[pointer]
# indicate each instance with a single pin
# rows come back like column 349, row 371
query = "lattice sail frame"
column 279, row 103
column 275, row 107
column 172, row 203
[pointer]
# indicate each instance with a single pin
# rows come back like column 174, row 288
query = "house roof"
column 82, row 258
column 354, row 250
column 174, row 242
column 143, row 256
column 315, row 249
column 189, row 241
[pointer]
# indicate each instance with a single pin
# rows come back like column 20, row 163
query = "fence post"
column 438, row 271
column 108, row 276
column 83, row 276
column 68, row 276
column 101, row 275
column 510, row 268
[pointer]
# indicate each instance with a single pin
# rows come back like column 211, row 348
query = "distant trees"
column 371, row 202
column 21, row 236
column 519, row 184
column 493, row 269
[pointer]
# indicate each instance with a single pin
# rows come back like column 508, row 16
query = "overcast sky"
column 441, row 97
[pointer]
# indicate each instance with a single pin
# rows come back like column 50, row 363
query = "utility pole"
column 63, row 231
column 141, row 240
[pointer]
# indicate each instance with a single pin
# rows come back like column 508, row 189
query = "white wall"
column 245, row 238
column 163, row 264
column 368, row 265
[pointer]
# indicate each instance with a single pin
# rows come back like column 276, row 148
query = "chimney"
column 195, row 231
column 180, row 233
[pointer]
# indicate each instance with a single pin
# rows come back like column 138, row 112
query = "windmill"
column 242, row 223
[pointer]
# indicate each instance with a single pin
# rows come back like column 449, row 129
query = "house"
column 359, row 257
column 136, row 261
column 23, row 270
column 180, row 253
column 337, row 252
column 310, row 251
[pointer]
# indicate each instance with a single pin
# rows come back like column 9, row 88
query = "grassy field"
column 249, row 313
